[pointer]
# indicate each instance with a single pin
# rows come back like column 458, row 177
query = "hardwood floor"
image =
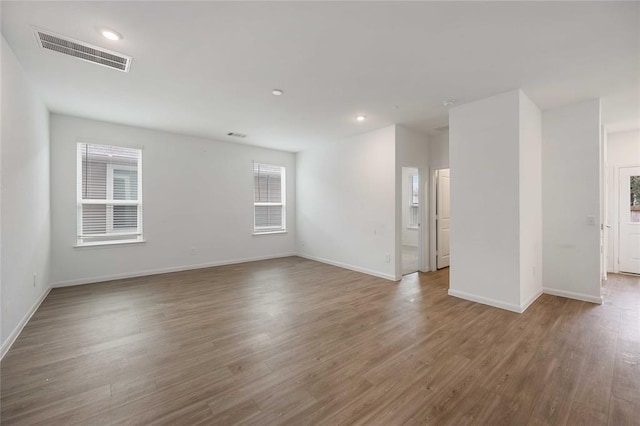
column 292, row 341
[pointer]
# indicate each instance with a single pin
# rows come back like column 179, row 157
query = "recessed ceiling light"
column 277, row 92
column 360, row 118
column 394, row 106
column 111, row 34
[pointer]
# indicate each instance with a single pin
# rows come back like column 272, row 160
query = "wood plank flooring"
column 292, row 341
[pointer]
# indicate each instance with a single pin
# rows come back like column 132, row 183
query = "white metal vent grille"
column 84, row 51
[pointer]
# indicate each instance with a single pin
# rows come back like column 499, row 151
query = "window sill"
column 413, row 227
column 270, row 232
column 108, row 243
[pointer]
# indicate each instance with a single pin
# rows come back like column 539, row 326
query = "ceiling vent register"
column 84, row 51
column 237, row 135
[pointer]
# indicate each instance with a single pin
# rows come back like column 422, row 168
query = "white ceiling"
column 207, row 68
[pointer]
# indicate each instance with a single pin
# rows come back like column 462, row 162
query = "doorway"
column 629, row 220
column 411, row 241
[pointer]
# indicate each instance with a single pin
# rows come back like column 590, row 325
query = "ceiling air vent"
column 236, row 135
column 81, row 50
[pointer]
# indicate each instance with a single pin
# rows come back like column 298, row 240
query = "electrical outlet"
column 591, row 220
column 35, row 279
column 387, row 258
column 193, row 251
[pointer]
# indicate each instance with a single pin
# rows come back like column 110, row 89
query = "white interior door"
column 629, row 220
column 442, row 219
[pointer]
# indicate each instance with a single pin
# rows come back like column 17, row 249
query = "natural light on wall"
column 109, row 182
column 269, row 199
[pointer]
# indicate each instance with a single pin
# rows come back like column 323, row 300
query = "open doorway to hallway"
column 411, row 240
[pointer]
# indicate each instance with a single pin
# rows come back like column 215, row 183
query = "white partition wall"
column 530, row 187
column 495, row 201
column 346, row 203
column 26, row 228
column 571, row 201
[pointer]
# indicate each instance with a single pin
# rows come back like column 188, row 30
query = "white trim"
column 433, row 181
column 110, row 202
column 81, row 281
column 25, row 319
column 485, row 300
column 279, row 231
column 351, row 267
column 524, row 306
column 572, row 295
column 108, row 243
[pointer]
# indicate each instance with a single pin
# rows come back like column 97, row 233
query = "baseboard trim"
column 25, row 319
column 350, row 267
column 147, row 272
column 533, row 298
column 571, row 295
column 485, row 300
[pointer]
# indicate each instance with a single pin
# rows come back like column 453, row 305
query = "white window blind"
column 269, row 198
column 109, row 194
column 413, row 206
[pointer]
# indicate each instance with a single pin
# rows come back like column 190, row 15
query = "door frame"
column 421, row 220
column 433, row 183
column 616, row 222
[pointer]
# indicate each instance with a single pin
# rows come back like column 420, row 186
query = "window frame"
column 110, row 237
column 265, row 230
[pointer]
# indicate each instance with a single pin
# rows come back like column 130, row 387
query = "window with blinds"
column 269, row 198
column 413, row 205
column 109, row 194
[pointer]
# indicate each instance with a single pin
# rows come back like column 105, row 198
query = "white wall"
column 571, row 193
column 530, row 181
column 623, row 149
column 346, row 202
column 412, row 150
column 25, row 241
column 439, row 150
column 197, row 193
column 485, row 227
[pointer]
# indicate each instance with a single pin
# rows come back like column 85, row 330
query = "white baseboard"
column 533, row 298
column 25, row 319
column 485, row 300
column 351, row 267
column 102, row 278
column 572, row 295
